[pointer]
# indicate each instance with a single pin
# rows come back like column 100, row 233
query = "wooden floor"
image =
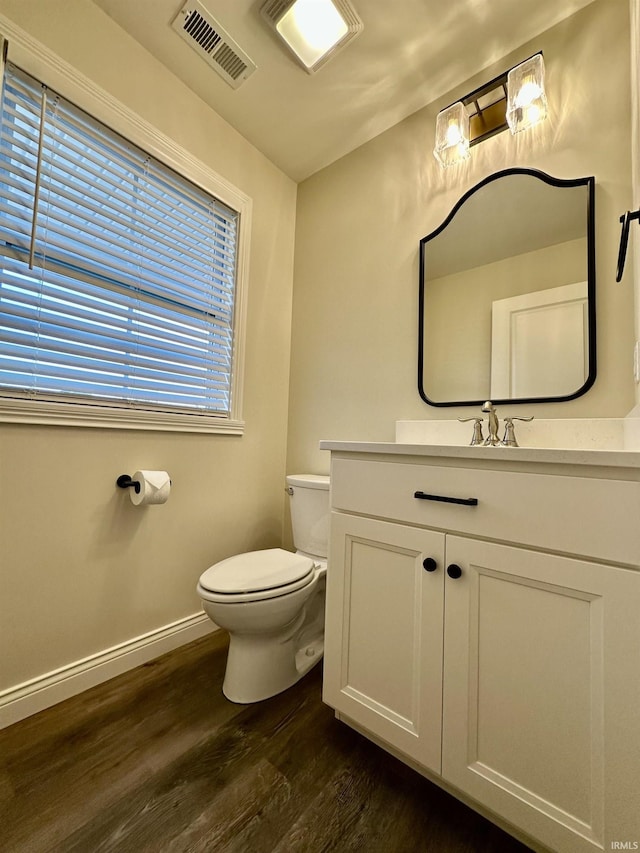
column 158, row 760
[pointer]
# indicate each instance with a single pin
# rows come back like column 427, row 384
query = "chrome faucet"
column 492, row 440
column 494, row 425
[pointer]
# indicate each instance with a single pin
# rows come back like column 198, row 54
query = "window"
column 118, row 277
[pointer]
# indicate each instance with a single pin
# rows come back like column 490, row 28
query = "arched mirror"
column 507, row 293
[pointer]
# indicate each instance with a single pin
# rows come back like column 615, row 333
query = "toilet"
column 272, row 601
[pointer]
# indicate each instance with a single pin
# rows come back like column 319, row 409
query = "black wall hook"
column 124, row 481
column 626, row 220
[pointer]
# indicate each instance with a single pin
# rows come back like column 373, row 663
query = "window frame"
column 37, row 60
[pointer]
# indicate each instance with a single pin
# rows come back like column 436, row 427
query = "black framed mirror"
column 507, row 293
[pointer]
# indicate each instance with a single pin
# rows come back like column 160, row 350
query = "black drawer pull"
column 466, row 501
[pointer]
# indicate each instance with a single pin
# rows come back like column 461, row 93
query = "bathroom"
column 88, row 583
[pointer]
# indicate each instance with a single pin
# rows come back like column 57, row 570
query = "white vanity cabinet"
column 495, row 646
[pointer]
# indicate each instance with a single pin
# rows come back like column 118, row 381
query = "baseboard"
column 46, row 690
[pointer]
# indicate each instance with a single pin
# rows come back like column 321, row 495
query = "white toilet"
column 272, row 602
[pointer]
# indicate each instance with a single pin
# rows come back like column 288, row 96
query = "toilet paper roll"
column 154, row 488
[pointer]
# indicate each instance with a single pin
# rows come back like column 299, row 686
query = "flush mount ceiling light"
column 515, row 99
column 313, row 30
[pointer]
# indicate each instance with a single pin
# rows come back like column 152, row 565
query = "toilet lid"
column 257, row 571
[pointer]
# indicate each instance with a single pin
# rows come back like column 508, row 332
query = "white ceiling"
column 410, row 53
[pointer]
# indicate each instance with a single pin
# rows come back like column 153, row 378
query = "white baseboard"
column 46, row 690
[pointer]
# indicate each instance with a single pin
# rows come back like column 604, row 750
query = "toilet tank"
column 309, row 503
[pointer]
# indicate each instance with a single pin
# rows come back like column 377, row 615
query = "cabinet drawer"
column 597, row 518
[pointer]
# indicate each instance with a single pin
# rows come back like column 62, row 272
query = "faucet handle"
column 509, row 439
column 477, row 437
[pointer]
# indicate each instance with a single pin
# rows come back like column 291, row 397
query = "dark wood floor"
column 158, row 760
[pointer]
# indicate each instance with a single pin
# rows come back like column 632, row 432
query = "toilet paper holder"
column 124, row 481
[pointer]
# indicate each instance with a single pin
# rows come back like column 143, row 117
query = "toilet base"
column 273, row 642
column 261, row 667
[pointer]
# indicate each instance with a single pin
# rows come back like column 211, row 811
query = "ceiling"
column 410, row 53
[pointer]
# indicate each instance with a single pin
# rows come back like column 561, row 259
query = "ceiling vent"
column 211, row 41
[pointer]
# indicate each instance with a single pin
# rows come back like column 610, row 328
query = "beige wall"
column 359, row 221
column 82, row 569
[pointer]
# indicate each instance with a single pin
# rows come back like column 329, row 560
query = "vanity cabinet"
column 494, row 646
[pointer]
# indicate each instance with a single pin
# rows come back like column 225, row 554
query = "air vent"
column 211, row 41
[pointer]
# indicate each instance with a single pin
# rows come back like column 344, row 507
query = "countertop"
column 493, row 456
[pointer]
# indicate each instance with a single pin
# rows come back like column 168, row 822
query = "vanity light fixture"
column 313, row 30
column 515, row 99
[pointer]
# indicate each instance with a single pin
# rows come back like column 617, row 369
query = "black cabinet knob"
column 454, row 571
column 429, row 564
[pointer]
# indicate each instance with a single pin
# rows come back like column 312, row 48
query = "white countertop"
column 493, row 455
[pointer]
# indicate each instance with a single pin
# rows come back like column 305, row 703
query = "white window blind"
column 117, row 275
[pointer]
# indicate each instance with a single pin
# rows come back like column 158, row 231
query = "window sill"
column 81, row 415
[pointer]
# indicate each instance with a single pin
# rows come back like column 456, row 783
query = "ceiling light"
column 314, row 30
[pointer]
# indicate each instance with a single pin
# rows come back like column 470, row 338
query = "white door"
column 539, row 343
column 541, row 719
column 384, row 632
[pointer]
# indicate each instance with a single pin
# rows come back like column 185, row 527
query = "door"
column 384, row 632
column 540, row 343
column 541, row 692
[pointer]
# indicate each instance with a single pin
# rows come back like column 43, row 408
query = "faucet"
column 494, row 425
column 492, row 440
column 478, row 438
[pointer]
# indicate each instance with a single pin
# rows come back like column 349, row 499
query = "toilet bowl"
column 272, row 601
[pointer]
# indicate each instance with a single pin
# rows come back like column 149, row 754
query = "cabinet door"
column 541, row 693
column 384, row 632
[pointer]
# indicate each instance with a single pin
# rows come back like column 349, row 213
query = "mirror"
column 507, row 293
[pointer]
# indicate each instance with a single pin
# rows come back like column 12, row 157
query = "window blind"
column 117, row 275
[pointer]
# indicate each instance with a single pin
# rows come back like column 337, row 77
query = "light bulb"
column 528, row 93
column 454, row 136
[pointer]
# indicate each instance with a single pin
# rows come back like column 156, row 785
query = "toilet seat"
column 256, row 576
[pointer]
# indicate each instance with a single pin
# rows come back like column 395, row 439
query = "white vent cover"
column 211, row 41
